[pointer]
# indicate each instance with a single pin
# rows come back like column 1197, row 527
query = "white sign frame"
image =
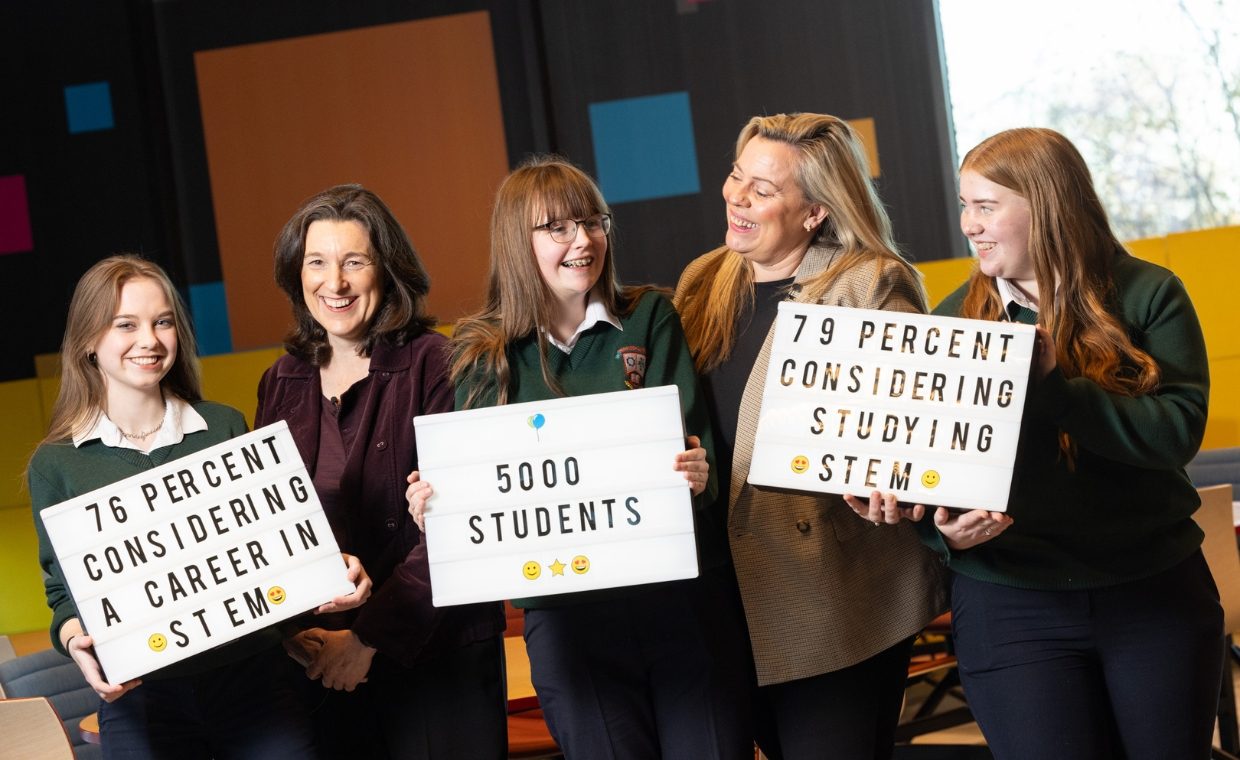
column 946, row 393
column 196, row 551
column 583, row 459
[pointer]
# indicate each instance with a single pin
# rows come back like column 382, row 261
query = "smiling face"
column 275, row 595
column 581, row 564
column 800, row 464
column 340, row 281
column 569, row 269
column 996, row 220
column 767, row 213
column 157, row 642
column 531, row 570
column 930, row 478
column 140, row 346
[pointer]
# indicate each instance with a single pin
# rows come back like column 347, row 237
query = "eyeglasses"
column 565, row 230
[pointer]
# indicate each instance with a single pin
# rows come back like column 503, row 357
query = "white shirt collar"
column 1012, row 294
column 180, row 419
column 596, row 311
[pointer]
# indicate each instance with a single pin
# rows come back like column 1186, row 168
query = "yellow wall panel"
column 23, row 428
column 24, row 607
column 944, row 276
column 233, row 378
column 1223, row 426
column 1208, row 261
column 1153, row 250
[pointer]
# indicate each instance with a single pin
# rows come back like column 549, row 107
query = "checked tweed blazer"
column 823, row 588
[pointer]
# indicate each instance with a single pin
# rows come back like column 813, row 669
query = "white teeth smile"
column 337, row 303
column 145, row 361
column 579, row 263
column 984, row 246
column 741, row 222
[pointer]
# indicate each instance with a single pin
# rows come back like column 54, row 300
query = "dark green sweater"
column 1126, row 511
column 60, row 471
column 596, row 365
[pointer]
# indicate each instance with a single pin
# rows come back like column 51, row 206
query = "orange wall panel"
column 411, row 110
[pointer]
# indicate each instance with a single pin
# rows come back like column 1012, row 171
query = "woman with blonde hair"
column 832, row 600
column 131, row 400
column 1087, row 623
column 645, row 671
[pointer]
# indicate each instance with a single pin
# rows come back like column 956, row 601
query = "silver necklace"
column 145, row 433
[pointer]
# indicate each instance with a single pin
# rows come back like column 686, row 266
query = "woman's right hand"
column 82, row 649
column 884, row 508
column 417, row 494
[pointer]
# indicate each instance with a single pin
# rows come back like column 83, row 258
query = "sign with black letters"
column 926, row 407
column 558, row 496
column 197, row 552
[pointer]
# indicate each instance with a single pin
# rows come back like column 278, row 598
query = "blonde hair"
column 519, row 302
column 831, row 171
column 95, row 300
column 1072, row 249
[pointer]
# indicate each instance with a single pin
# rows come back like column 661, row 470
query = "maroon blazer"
column 372, row 521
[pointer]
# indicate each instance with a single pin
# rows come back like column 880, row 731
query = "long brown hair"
column 82, row 394
column 402, row 313
column 831, row 170
column 519, row 302
column 1073, row 251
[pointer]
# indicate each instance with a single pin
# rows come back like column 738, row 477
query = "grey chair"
column 1216, row 467
column 50, row 674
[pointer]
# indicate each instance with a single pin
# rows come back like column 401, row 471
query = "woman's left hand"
column 1043, row 353
column 964, row 530
column 884, row 508
column 361, row 587
column 342, row 660
column 692, row 462
column 417, row 494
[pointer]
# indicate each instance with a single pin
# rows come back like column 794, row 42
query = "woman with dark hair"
column 130, row 400
column 1086, row 621
column 648, row 671
column 403, row 679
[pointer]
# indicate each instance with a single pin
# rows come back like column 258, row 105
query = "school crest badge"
column 633, row 362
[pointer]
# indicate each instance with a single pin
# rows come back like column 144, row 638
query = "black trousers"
column 453, row 706
column 847, row 714
column 1129, row 671
column 662, row 673
column 248, row 710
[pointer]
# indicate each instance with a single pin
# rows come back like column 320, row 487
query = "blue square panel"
column 88, row 107
column 210, row 309
column 643, row 147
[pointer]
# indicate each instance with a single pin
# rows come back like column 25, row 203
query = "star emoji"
column 557, row 567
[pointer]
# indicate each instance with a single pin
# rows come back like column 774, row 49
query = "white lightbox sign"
column 197, row 552
column 924, row 406
column 559, row 496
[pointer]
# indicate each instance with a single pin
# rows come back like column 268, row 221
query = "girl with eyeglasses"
column 648, row 671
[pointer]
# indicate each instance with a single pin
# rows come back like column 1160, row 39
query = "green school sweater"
column 597, row 365
column 1125, row 512
column 60, row 471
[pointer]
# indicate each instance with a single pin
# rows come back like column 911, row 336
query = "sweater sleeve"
column 672, row 364
column 43, row 494
column 1159, row 430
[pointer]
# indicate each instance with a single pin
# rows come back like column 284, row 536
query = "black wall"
column 143, row 185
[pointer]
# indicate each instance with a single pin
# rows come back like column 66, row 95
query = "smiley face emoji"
column 531, row 570
column 580, row 564
column 800, row 464
column 930, row 478
column 157, row 642
column 276, row 595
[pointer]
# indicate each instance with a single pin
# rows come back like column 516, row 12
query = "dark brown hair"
column 405, row 283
